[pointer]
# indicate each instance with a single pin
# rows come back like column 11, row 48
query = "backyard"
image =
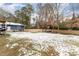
column 39, row 29
column 39, row 44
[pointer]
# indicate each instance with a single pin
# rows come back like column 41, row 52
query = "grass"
column 21, row 47
column 3, row 42
column 50, row 51
column 72, row 42
column 72, row 51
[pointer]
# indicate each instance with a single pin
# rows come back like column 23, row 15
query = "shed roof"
column 11, row 23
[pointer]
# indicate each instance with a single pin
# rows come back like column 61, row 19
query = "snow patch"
column 45, row 39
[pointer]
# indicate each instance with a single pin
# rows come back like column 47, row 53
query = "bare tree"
column 72, row 7
column 72, row 10
column 57, row 13
column 45, row 12
column 50, row 13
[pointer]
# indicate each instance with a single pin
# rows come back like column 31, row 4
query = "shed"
column 14, row 26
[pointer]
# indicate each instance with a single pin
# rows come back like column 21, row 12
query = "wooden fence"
column 37, row 30
column 70, row 32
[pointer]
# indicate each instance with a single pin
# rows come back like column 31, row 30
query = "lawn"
column 21, row 47
column 39, row 44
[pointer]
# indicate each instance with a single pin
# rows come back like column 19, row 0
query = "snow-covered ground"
column 56, row 40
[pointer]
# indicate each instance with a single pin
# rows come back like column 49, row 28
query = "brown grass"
column 50, row 51
column 72, row 42
column 13, row 51
column 23, row 47
column 72, row 51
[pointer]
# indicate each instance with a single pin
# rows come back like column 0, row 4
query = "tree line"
column 50, row 15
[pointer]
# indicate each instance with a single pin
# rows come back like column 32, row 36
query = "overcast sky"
column 11, row 7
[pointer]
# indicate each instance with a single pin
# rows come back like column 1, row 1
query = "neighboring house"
column 10, row 26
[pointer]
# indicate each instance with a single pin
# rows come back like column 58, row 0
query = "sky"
column 11, row 7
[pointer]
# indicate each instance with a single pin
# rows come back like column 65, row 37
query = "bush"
column 61, row 26
column 75, row 28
